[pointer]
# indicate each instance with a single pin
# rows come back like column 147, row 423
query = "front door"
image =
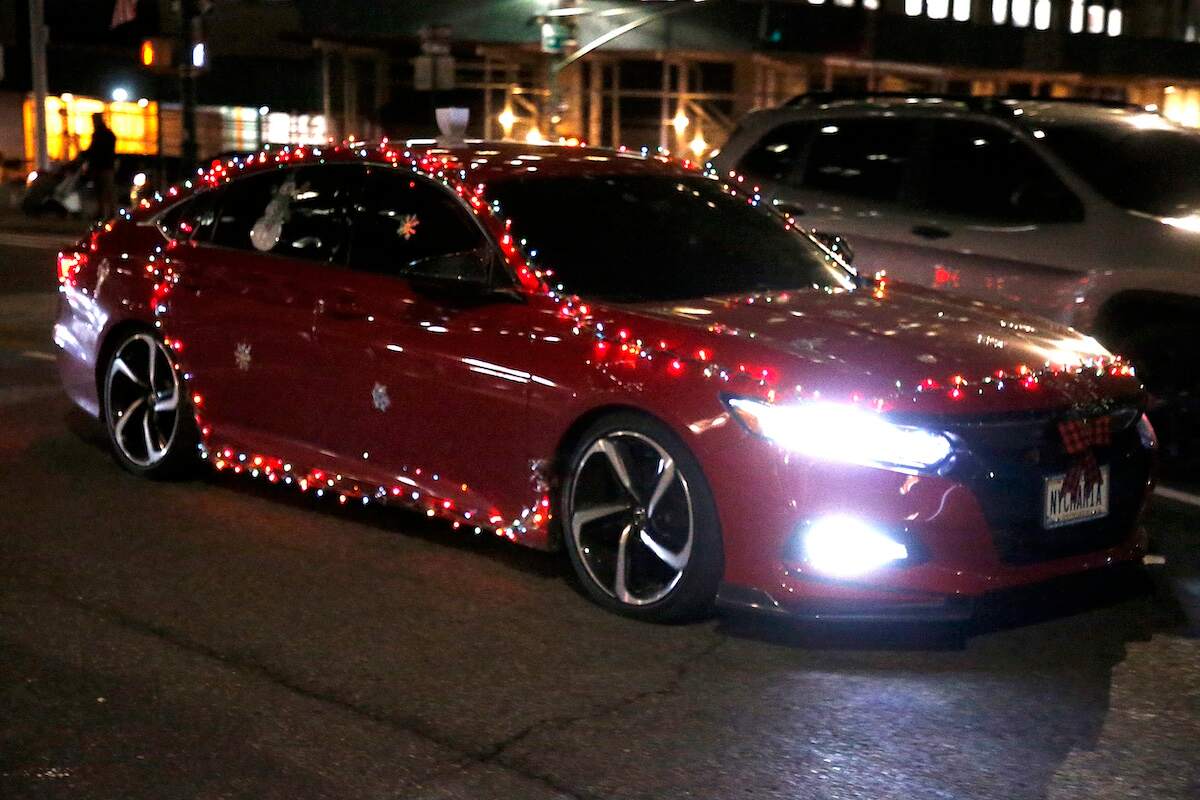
column 422, row 386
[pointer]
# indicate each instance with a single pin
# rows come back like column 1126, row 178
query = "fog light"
column 845, row 546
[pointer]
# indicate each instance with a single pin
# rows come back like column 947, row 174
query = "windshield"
column 630, row 238
column 1154, row 171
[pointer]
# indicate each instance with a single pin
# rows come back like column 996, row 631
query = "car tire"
column 1170, row 368
column 145, row 409
column 639, row 521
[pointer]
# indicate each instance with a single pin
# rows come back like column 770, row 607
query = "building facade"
column 611, row 72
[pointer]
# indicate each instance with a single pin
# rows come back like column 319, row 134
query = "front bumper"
column 972, row 531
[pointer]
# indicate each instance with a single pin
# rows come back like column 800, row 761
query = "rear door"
column 244, row 308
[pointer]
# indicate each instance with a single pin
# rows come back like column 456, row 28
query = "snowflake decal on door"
column 379, row 397
column 408, row 225
column 241, row 356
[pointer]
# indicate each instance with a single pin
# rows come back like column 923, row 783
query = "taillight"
column 69, row 264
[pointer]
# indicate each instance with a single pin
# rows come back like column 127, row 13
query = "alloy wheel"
column 142, row 400
column 631, row 518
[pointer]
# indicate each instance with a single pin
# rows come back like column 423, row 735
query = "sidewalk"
column 49, row 225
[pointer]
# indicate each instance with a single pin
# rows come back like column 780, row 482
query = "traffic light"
column 157, row 54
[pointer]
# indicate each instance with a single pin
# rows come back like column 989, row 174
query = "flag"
column 123, row 11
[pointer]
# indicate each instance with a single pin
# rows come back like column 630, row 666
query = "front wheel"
column 639, row 521
column 145, row 409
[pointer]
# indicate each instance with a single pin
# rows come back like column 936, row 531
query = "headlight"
column 835, row 432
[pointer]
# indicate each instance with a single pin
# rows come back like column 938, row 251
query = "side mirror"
column 469, row 267
column 835, row 243
column 465, row 274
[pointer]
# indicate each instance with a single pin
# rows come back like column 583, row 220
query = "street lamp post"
column 188, row 13
column 38, row 34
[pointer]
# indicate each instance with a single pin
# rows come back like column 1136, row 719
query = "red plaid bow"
column 1079, row 436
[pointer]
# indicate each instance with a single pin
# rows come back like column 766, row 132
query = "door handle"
column 195, row 277
column 931, row 232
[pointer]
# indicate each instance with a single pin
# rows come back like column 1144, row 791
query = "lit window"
column 844, row 3
column 1076, row 16
column 816, row 2
column 999, row 11
column 1114, row 22
column 1020, row 13
column 962, row 10
column 1041, row 15
column 871, row 5
column 937, row 9
column 914, row 7
column 1095, row 19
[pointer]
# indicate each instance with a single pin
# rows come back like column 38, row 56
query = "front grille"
column 1005, row 463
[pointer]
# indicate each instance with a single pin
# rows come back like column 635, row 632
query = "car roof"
column 492, row 161
column 1047, row 111
column 475, row 161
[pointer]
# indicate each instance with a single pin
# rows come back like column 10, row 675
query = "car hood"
column 896, row 341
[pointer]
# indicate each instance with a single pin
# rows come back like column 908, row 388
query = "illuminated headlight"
column 139, row 180
column 835, row 432
column 844, row 546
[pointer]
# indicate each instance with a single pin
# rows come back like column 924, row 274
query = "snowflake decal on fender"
column 241, row 356
column 379, row 397
column 408, row 226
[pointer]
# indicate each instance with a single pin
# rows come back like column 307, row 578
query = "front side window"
column 1142, row 164
column 984, row 172
column 297, row 213
column 630, row 238
column 400, row 219
column 867, row 158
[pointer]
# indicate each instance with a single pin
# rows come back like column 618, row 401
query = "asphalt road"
column 221, row 639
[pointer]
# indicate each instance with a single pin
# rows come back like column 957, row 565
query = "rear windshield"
column 1155, row 170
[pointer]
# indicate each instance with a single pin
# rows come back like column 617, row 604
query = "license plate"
column 1060, row 508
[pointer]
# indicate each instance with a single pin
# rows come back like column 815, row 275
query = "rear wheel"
column 640, row 522
column 145, row 412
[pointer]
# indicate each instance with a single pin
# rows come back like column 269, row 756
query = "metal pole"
column 38, row 34
column 188, row 12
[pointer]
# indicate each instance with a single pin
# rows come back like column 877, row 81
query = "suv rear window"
column 861, row 157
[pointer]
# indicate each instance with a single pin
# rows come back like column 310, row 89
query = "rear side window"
column 983, row 171
column 861, row 157
column 400, row 218
column 297, row 213
column 778, row 155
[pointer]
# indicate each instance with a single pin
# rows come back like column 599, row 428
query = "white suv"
column 1084, row 213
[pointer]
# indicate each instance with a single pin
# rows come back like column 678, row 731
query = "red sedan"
column 611, row 354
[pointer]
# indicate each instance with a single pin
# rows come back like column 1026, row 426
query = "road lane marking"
column 39, row 355
column 37, row 241
column 1177, row 495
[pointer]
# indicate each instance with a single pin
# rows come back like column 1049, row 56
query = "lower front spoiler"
column 1028, row 603
column 744, row 599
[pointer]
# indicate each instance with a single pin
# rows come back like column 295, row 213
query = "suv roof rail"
column 976, row 102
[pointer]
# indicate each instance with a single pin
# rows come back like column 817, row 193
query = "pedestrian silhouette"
column 98, row 164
